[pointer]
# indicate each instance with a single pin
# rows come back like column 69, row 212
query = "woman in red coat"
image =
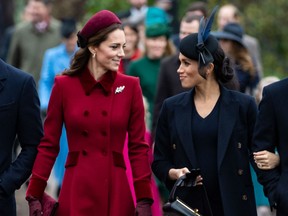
column 98, row 106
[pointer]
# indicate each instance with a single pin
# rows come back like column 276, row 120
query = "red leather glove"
column 49, row 205
column 35, row 207
column 143, row 208
column 46, row 207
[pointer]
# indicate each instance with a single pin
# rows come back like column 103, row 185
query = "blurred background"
column 263, row 19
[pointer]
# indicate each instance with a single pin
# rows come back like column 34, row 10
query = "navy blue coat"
column 271, row 131
column 174, row 146
column 19, row 116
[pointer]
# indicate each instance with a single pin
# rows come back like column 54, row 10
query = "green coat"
column 147, row 70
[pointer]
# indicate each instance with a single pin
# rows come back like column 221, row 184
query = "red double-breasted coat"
column 97, row 116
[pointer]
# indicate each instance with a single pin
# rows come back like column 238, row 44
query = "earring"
column 94, row 54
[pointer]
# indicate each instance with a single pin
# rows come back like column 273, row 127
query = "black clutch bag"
column 186, row 199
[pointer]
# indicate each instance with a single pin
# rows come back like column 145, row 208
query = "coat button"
column 104, row 113
column 84, row 152
column 85, row 133
column 244, row 197
column 239, row 145
column 86, row 113
column 240, row 172
column 103, row 133
column 174, row 146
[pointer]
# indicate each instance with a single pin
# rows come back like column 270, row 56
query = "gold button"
column 244, row 197
column 239, row 145
column 174, row 146
column 240, row 172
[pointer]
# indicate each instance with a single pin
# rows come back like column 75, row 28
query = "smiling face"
column 188, row 72
column 132, row 39
column 110, row 52
column 156, row 46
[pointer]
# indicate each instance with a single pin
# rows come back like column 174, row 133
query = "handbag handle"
column 177, row 184
column 181, row 182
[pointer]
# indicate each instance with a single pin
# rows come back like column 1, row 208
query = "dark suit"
column 168, row 84
column 271, row 131
column 174, row 146
column 19, row 116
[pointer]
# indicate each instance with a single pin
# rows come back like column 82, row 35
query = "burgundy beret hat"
column 98, row 21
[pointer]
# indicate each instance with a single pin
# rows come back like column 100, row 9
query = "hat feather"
column 205, row 26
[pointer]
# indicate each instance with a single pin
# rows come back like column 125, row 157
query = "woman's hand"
column 174, row 174
column 143, row 208
column 35, row 207
column 266, row 160
column 199, row 180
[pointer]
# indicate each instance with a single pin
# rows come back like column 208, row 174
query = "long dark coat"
column 19, row 117
column 174, row 146
column 271, row 132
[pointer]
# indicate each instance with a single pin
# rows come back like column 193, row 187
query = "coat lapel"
column 183, row 118
column 228, row 113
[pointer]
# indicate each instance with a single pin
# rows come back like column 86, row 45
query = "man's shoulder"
column 55, row 23
column 14, row 77
column 22, row 27
column 280, row 86
column 248, row 39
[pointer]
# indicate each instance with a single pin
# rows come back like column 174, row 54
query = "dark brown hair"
column 223, row 71
column 82, row 56
column 241, row 56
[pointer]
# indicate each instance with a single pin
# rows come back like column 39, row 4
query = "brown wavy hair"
column 241, row 56
column 81, row 57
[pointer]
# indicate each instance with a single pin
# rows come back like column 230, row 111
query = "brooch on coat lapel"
column 119, row 89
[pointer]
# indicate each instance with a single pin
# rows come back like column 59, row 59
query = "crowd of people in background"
column 180, row 102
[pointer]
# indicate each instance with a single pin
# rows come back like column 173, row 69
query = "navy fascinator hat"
column 200, row 46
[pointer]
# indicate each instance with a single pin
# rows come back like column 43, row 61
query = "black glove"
column 143, row 207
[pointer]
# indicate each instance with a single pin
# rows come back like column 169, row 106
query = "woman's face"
column 156, row 47
column 188, row 72
column 225, row 45
column 110, row 52
column 131, row 38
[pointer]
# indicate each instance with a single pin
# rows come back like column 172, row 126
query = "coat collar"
column 89, row 83
column 227, row 118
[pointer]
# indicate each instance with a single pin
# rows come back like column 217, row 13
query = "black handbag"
column 187, row 199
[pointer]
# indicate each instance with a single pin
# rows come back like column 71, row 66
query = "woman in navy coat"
column 208, row 127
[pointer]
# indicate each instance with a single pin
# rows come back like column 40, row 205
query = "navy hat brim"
column 228, row 36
